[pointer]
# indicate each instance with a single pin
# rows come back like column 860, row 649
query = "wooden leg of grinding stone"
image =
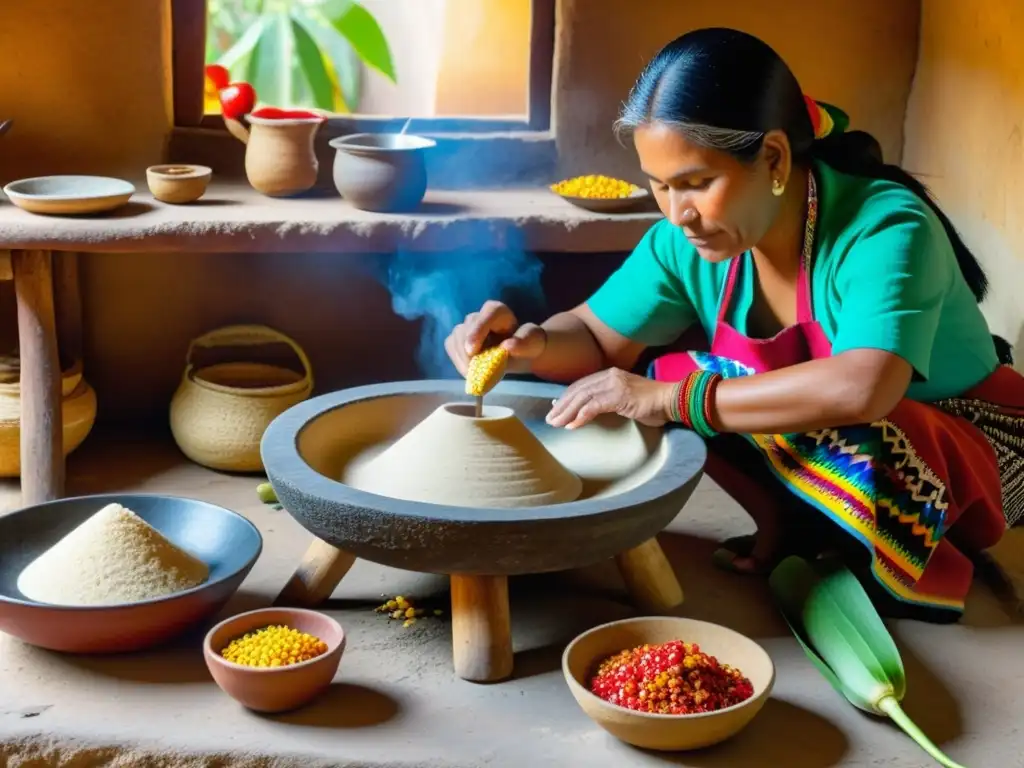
column 321, row 570
column 650, row 580
column 481, row 628
column 42, row 437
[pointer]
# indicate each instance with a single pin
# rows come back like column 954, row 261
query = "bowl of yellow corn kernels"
column 602, row 194
column 274, row 659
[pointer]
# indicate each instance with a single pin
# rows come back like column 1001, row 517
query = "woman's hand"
column 525, row 343
column 613, row 391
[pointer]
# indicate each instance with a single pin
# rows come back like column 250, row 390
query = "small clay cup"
column 668, row 732
column 178, row 184
column 275, row 689
column 381, row 172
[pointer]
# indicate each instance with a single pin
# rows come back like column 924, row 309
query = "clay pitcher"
column 279, row 156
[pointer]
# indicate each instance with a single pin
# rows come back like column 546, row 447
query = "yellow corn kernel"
column 595, row 186
column 485, row 370
column 273, row 646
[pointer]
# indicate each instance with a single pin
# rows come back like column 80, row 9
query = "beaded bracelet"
column 692, row 402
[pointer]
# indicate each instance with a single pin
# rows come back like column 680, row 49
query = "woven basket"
column 219, row 412
column 78, row 414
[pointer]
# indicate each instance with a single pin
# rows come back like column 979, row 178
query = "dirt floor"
column 396, row 701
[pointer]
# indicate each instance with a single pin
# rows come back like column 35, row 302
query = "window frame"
column 188, row 34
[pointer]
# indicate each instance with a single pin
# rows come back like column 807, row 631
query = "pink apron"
column 905, row 487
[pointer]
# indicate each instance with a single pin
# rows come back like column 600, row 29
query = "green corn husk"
column 844, row 637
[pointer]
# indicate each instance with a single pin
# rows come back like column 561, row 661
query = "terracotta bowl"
column 275, row 689
column 227, row 542
column 178, row 184
column 667, row 732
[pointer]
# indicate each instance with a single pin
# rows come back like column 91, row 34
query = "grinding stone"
column 635, row 480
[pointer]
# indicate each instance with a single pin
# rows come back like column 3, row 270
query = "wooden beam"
column 188, row 60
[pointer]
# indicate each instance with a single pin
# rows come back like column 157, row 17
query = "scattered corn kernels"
column 273, row 646
column 485, row 370
column 401, row 609
column 595, row 186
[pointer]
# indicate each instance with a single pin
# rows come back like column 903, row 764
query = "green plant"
column 298, row 52
column 844, row 637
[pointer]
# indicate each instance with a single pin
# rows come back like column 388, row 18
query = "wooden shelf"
column 232, row 217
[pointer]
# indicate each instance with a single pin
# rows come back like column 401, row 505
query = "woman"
column 847, row 380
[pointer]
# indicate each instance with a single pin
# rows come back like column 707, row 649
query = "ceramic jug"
column 279, row 156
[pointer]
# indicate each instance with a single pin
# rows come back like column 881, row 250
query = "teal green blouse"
column 884, row 277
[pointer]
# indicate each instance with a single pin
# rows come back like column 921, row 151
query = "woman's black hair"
column 726, row 89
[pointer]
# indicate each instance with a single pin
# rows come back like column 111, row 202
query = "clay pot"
column 668, row 732
column 382, row 172
column 275, row 689
column 178, row 184
column 279, row 156
column 78, row 414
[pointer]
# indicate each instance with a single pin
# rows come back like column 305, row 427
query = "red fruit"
column 218, row 76
column 237, row 99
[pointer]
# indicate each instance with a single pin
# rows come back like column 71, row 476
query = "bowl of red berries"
column 667, row 683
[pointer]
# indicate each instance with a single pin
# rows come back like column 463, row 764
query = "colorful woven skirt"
column 918, row 490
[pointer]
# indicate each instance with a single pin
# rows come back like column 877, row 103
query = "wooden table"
column 40, row 254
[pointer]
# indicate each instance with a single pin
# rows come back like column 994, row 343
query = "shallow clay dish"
column 64, row 195
column 668, row 732
column 275, row 689
column 227, row 542
column 606, row 205
column 178, row 184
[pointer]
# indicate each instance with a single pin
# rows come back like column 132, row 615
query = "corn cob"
column 844, row 637
column 485, row 370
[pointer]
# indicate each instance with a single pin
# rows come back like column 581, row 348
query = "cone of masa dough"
column 453, row 458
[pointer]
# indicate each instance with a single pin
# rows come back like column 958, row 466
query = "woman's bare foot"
column 754, row 554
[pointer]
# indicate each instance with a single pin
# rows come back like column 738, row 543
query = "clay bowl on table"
column 275, row 689
column 668, row 732
column 178, row 184
column 634, row 479
column 227, row 542
column 69, row 195
column 381, row 172
column 608, row 205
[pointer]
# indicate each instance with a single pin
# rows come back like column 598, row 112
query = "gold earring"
column 778, row 187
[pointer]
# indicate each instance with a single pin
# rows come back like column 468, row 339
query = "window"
column 448, row 65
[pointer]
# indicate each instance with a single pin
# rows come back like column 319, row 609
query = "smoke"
column 440, row 289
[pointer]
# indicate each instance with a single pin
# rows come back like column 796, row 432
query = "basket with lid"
column 220, row 410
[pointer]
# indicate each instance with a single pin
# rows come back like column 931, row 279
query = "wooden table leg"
column 42, row 437
column 322, row 568
column 650, row 580
column 481, row 628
